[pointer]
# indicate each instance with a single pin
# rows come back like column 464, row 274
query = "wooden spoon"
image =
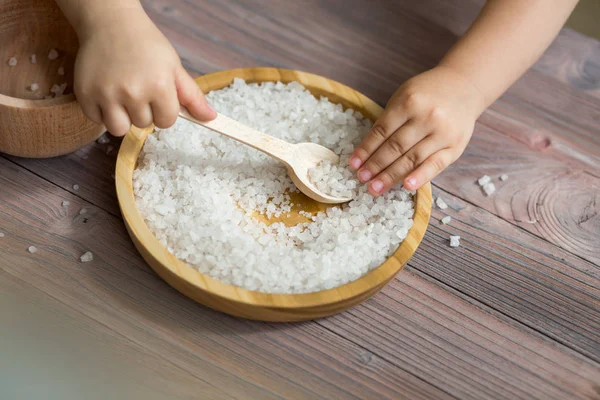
column 298, row 158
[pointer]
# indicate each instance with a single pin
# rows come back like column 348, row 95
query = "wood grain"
column 453, row 347
column 118, row 292
column 31, row 126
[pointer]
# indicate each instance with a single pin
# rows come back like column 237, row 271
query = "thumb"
column 191, row 97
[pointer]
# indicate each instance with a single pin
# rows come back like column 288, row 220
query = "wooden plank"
column 118, row 291
column 445, row 339
column 411, row 333
column 515, row 273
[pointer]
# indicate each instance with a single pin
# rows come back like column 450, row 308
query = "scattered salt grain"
column 483, row 180
column 34, row 87
column 1, row 235
column 33, row 59
column 75, row 187
column 32, row 249
column 58, row 90
column 53, row 54
column 489, row 188
column 82, row 211
column 441, row 203
column 12, row 62
column 103, row 139
column 198, row 191
column 446, row 220
column 86, row 257
column 454, row 241
column 61, row 70
column 109, row 149
column 65, row 203
column 503, row 177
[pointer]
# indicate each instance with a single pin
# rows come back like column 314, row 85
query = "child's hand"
column 128, row 72
column 424, row 128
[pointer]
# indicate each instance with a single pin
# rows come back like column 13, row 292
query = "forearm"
column 504, row 41
column 87, row 15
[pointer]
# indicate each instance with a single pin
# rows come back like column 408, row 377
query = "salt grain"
column 53, row 54
column 109, row 149
column 33, row 59
column 441, row 203
column 75, row 187
column 197, row 192
column 454, row 241
column 32, row 249
column 483, row 180
column 503, row 177
column 1, row 235
column 86, row 257
column 446, row 220
column 58, row 90
column 489, row 188
column 34, row 87
column 61, row 71
column 103, row 139
column 82, row 211
column 65, row 203
column 12, row 62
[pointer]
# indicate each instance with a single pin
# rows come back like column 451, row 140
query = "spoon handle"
column 275, row 147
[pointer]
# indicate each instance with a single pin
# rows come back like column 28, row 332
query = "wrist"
column 111, row 13
column 480, row 100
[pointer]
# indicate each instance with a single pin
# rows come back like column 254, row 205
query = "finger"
column 429, row 169
column 191, row 97
column 405, row 165
column 166, row 108
column 91, row 110
column 389, row 122
column 116, row 119
column 392, row 149
column 140, row 114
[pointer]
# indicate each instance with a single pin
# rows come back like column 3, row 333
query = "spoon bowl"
column 307, row 156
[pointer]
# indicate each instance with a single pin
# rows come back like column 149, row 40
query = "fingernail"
column 377, row 186
column 364, row 175
column 412, row 182
column 355, row 162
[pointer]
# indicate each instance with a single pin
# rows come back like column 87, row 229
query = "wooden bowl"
column 29, row 125
column 244, row 303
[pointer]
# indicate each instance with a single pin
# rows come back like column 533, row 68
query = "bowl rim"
column 17, row 102
column 204, row 284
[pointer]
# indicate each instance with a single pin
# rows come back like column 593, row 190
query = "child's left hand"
column 425, row 127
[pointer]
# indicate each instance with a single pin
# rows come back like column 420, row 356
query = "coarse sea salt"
column 12, row 62
column 483, row 180
column 454, row 241
column 198, row 192
column 1, row 235
column 65, row 203
column 61, row 70
column 489, row 188
column 33, row 59
column 446, row 220
column 32, row 249
column 34, row 87
column 441, row 203
column 52, row 54
column 103, row 139
column 503, row 177
column 86, row 257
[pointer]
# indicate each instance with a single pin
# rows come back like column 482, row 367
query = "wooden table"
column 511, row 314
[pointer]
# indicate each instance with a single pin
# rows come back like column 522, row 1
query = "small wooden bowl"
column 29, row 125
column 244, row 303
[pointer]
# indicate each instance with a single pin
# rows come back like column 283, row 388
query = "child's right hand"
column 127, row 73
